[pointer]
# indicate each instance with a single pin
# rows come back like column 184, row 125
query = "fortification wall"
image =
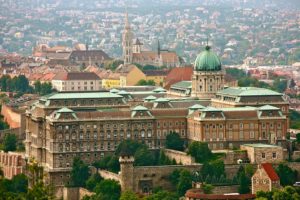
column 179, row 157
column 157, row 176
column 109, row 175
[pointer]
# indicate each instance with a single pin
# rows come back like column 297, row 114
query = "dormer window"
column 270, row 114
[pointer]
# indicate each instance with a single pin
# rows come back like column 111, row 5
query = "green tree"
column 280, row 85
column 286, row 174
column 113, row 164
column 93, row 181
column 20, row 183
column 163, row 159
column 80, row 173
column 213, row 169
column 162, row 195
column 3, row 125
column 143, row 157
column 143, row 82
column 184, row 183
column 10, row 142
column 245, row 182
column 46, row 88
column 236, row 73
column 128, row 147
column 174, row 177
column 298, row 138
column 37, row 87
column 129, row 195
column 207, row 188
column 174, row 141
column 40, row 192
column 109, row 189
column 200, row 151
column 265, row 195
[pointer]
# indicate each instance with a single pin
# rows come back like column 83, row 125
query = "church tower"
column 127, row 39
column 208, row 77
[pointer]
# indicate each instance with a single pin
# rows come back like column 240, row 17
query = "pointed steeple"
column 127, row 39
column 127, row 25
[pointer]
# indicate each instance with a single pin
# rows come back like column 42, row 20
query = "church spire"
column 127, row 38
column 127, row 25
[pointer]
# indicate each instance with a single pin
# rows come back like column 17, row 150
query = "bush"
column 174, row 141
column 200, row 151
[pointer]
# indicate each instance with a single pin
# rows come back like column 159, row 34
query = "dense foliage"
column 286, row 174
column 42, row 88
column 80, row 173
column 106, row 190
column 142, row 156
column 200, row 151
column 295, row 119
column 20, row 85
column 174, row 141
column 17, row 188
column 286, row 193
column 10, row 142
column 145, row 82
column 182, row 180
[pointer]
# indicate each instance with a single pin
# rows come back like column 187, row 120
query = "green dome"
column 207, row 61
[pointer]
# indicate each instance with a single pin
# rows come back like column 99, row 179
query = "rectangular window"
column 251, row 134
column 241, row 125
column 279, row 125
column 274, row 154
column 230, row 135
column 263, row 155
column 241, row 135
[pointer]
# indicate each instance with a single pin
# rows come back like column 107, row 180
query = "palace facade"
column 90, row 125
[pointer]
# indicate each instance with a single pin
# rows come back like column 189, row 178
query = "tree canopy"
column 174, row 141
column 286, row 174
column 145, row 82
column 200, row 151
column 10, row 142
column 80, row 173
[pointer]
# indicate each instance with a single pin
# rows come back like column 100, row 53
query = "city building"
column 230, row 127
column 158, row 76
column 265, row 179
column 76, row 81
column 62, row 126
column 208, row 76
column 11, row 163
column 133, row 51
column 264, row 153
column 130, row 75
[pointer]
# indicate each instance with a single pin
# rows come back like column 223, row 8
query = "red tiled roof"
column 270, row 171
column 76, row 76
column 178, row 74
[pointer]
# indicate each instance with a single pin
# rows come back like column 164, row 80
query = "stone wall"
column 296, row 155
column 70, row 193
column 12, row 163
column 84, row 192
column 156, row 176
column 16, row 131
column 225, row 189
column 109, row 175
column 231, row 157
column 255, row 154
column 179, row 157
column 75, row 193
